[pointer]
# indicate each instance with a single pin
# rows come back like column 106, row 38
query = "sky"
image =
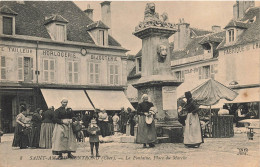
column 125, row 16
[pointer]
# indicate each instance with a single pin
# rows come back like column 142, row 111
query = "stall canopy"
column 108, row 99
column 77, row 99
column 211, row 91
column 247, row 95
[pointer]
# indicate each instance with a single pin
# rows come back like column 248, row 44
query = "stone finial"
column 149, row 13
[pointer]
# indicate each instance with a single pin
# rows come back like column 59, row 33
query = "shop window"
column 231, row 35
column 73, row 69
column 7, row 25
column 49, row 70
column 113, row 75
column 94, row 73
column 3, row 67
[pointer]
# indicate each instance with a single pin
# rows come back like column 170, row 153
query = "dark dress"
column 192, row 130
column 123, row 121
column 36, row 129
column 47, row 128
column 132, row 122
column 86, row 121
column 145, row 133
column 64, row 140
column 21, row 133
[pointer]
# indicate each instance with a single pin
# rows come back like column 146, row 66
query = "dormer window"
column 231, row 35
column 101, row 39
column 56, row 27
column 7, row 20
column 99, row 32
column 60, row 34
column 7, row 25
column 138, row 65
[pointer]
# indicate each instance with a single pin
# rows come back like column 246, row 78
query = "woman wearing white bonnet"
column 64, row 140
column 146, row 132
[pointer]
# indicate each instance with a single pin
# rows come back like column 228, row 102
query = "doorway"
column 6, row 114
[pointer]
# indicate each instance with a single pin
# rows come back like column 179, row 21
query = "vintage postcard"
column 130, row 83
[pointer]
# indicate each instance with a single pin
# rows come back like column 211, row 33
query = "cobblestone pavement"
column 214, row 152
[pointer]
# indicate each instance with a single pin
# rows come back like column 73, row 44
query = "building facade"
column 229, row 55
column 53, row 50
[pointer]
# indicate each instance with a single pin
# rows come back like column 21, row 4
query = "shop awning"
column 109, row 99
column 77, row 99
column 247, row 95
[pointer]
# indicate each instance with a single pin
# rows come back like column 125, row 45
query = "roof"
column 5, row 10
column 57, row 18
column 237, row 24
column 133, row 75
column 97, row 24
column 31, row 16
column 199, row 32
column 213, row 37
column 251, row 34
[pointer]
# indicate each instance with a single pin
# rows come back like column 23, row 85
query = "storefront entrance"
column 6, row 114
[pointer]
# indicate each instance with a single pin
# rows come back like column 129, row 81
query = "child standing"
column 93, row 131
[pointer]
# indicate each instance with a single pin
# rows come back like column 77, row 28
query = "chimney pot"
column 89, row 12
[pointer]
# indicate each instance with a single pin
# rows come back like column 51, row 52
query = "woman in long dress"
column 36, row 128
column 192, row 131
column 47, row 128
column 20, row 134
column 146, row 133
column 103, row 123
column 63, row 140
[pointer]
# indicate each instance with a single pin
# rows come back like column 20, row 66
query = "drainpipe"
column 37, row 71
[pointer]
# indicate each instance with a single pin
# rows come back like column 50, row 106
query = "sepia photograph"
column 130, row 83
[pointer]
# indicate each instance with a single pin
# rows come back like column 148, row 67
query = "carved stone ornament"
column 162, row 52
column 151, row 19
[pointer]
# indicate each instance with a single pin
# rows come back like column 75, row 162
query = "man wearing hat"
column 146, row 132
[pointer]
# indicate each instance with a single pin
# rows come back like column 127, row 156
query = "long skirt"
column 20, row 137
column 116, row 127
column 46, row 135
column 104, row 128
column 35, row 136
column 63, row 140
column 192, row 130
column 145, row 133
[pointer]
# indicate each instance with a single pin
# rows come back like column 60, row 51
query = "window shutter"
column 3, row 67
column 116, row 75
column 97, row 73
column 70, row 71
column 91, row 72
column 31, row 66
column 20, row 68
column 200, row 72
column 76, row 70
column 52, row 70
column 111, row 73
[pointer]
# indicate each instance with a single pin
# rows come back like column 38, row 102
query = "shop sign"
column 239, row 49
column 55, row 53
column 12, row 49
column 103, row 57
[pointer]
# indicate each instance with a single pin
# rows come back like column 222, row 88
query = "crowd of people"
column 53, row 129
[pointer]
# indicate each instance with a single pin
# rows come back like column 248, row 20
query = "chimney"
column 240, row 8
column 182, row 36
column 106, row 15
column 89, row 12
column 216, row 28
